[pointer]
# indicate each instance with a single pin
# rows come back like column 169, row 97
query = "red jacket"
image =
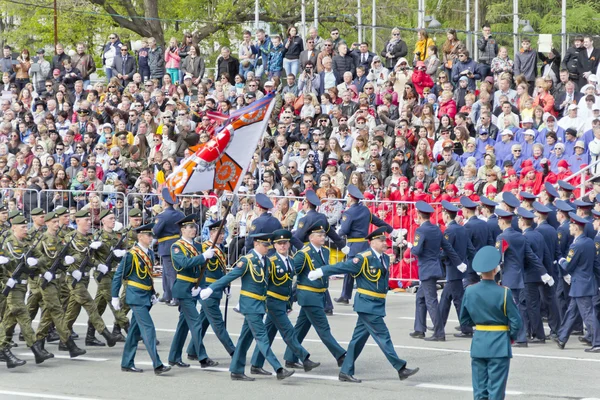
column 421, row 80
column 447, row 107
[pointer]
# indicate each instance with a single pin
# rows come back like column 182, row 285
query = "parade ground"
column 539, row 372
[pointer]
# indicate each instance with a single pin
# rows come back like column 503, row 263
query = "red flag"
column 504, row 245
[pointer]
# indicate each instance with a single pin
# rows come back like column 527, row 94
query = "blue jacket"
column 460, row 66
column 355, row 224
column 265, row 223
column 280, row 279
column 427, row 244
column 187, row 259
column 166, row 230
column 579, row 263
column 478, row 233
column 492, row 224
column 551, row 239
column 532, row 272
column 307, row 260
column 564, row 242
column 516, row 255
column 458, row 238
column 135, row 270
column 312, row 216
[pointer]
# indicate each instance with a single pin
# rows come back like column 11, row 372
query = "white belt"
column 84, row 274
column 56, row 276
column 24, row 282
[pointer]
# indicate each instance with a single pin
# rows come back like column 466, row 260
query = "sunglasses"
column 46, row 86
column 303, row 149
column 396, row 34
column 112, row 37
column 307, row 181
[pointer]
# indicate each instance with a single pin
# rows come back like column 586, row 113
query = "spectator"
column 526, row 63
column 294, row 45
column 488, row 49
column 156, row 61
column 465, row 67
column 108, row 55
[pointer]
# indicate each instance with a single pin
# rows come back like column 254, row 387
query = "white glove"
column 316, row 274
column 543, row 161
column 48, row 276
column 3, row 260
column 227, row 292
column 119, row 253
column 338, row 230
column 102, row 268
column 395, row 232
column 196, row 291
column 567, row 279
column 205, row 293
column 32, row 262
column 76, row 275
column 209, row 253
column 462, row 267
column 546, row 278
column 69, row 260
column 407, row 244
column 403, row 232
column 550, row 283
column 95, row 245
column 346, row 250
column 154, row 299
column 11, row 283
column 116, row 303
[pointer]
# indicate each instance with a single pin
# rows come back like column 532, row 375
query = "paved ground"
column 540, row 372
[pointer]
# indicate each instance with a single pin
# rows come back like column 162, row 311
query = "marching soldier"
column 371, row 270
column 187, row 260
column 4, row 232
column 311, row 297
column 479, row 235
column 488, row 208
column 210, row 314
column 252, row 269
column 47, row 251
column 82, row 249
column 167, row 232
column 587, row 339
column 490, row 308
column 135, row 221
column 36, row 230
column 547, row 197
column 136, row 269
column 107, row 254
column 279, row 291
column 264, row 223
column 11, row 329
column 565, row 191
column 584, row 210
column 510, row 203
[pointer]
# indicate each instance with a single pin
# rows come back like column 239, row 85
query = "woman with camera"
column 394, row 49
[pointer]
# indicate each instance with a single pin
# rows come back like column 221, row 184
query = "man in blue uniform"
column 355, row 224
column 311, row 296
column 579, row 270
column 510, row 203
column 210, row 314
column 532, row 279
column 478, row 233
column 587, row 339
column 565, row 190
column 584, row 210
column 517, row 256
column 187, row 260
column 167, row 232
column 279, row 292
column 427, row 244
column 547, row 197
column 253, row 269
column 460, row 241
column 136, row 268
column 491, row 310
column 371, row 270
column 488, row 208
column 264, row 223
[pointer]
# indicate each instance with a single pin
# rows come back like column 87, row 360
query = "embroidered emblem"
column 252, row 228
column 355, row 260
column 301, row 225
column 240, row 264
column 344, row 217
column 176, row 250
column 498, row 244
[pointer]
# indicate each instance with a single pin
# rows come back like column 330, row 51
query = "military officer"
column 4, row 232
column 479, row 235
column 584, row 210
column 490, row 308
column 355, row 227
column 108, row 254
column 510, row 203
column 187, row 260
column 587, row 339
column 135, row 221
column 136, row 269
column 371, row 270
column 81, row 249
column 47, row 251
column 565, row 191
column 279, row 292
column 579, row 268
column 311, row 296
column 488, row 208
column 253, row 269
column 35, row 231
column 210, row 314
column 547, row 197
column 11, row 329
column 426, row 247
column 16, row 247
column 265, row 222
column 167, row 232
column 458, row 238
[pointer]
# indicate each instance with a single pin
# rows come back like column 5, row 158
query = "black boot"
column 43, row 346
column 37, row 351
column 62, row 346
column 52, row 336
column 126, row 327
column 21, row 337
column 74, row 351
column 110, row 339
column 11, row 360
column 117, row 333
column 90, row 338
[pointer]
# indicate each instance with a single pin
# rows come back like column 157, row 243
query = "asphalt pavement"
column 537, row 372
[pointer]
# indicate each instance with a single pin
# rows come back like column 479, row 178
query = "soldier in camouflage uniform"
column 34, row 301
column 4, row 232
column 10, row 330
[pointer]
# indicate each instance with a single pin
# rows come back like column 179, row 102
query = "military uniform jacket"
column 214, row 269
column 371, row 278
column 533, row 271
column 166, row 230
column 131, row 238
column 33, row 233
column 187, row 260
column 492, row 224
column 279, row 282
column 15, row 249
column 518, row 252
column 46, row 252
column 312, row 216
column 551, row 239
column 80, row 246
column 487, row 303
column 564, row 242
column 253, row 270
column 457, row 236
column 109, row 241
column 552, row 216
column 588, row 229
column 580, row 264
column 427, row 244
column 265, row 223
column 355, row 224
column 135, row 268
column 597, row 259
column 310, row 293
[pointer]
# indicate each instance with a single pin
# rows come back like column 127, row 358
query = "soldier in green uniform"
column 10, row 330
column 81, row 249
column 106, row 252
column 123, row 145
column 47, row 251
column 490, row 308
column 16, row 247
column 279, row 292
column 253, row 269
column 4, row 232
column 134, row 164
column 135, row 221
column 34, row 301
column 136, row 268
column 371, row 270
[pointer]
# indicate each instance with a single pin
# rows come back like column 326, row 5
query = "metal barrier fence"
column 20, row 199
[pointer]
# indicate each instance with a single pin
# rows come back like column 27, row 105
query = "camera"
column 307, row 70
column 172, row 121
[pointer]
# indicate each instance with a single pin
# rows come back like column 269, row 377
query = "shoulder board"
column 305, row 249
column 249, row 256
column 365, row 253
column 273, row 258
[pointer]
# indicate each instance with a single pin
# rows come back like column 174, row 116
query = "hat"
column 451, row 188
column 582, row 204
column 566, row 186
column 539, row 207
column 468, row 203
column 83, row 111
column 37, row 211
column 510, row 200
column 573, row 107
column 527, row 196
column 263, row 201
column 562, row 205
column 13, row 214
column 317, row 227
column 188, row 220
column 355, row 192
column 547, row 116
column 551, row 190
column 50, row 216
column 166, row 195
column 122, row 134
column 483, row 131
column 104, row 214
column 3, row 208
column 463, row 78
column 580, row 144
column 135, row 212
column 433, row 187
column 529, row 132
column 563, row 163
column 214, row 225
column 56, row 71
column 145, row 228
column 18, row 220
column 107, row 125
column 527, row 120
column 487, row 202
column 269, row 83
column 449, row 206
column 576, row 219
column 486, row 259
column 281, row 235
column 171, row 103
column 504, row 214
column 592, row 78
column 420, row 64
column 524, row 213
column 596, row 214
column 40, row 51
column 250, row 95
column 379, row 233
column 312, row 197
column 423, row 207
column 440, row 167
column 507, row 132
column 261, row 237
column 82, row 214
column 187, row 76
column 571, row 131
column 332, row 162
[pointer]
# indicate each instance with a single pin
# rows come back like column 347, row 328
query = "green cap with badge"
column 13, row 214
column 50, row 216
column 19, row 220
column 37, row 211
column 103, row 214
column 135, row 212
column 82, row 214
column 61, row 211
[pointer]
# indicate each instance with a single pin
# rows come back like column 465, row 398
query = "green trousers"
column 34, row 301
column 80, row 297
column 489, row 376
column 53, row 312
column 16, row 313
